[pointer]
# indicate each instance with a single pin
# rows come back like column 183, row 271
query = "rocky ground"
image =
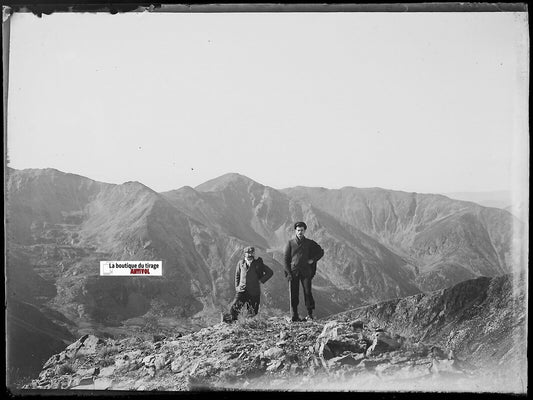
column 263, row 354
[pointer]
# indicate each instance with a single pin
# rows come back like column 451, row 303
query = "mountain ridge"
column 416, row 226
column 63, row 225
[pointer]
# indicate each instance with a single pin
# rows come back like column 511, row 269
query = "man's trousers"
column 295, row 293
column 244, row 299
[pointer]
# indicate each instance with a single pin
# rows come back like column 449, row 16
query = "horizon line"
column 258, row 182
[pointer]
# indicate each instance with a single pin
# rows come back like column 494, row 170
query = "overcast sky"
column 424, row 102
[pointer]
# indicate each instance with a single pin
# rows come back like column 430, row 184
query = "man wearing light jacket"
column 250, row 272
column 301, row 256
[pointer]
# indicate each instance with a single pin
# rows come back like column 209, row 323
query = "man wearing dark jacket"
column 250, row 272
column 301, row 256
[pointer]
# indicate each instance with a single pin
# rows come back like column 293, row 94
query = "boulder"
column 66, row 382
column 46, row 374
column 324, row 351
column 387, row 368
column 107, row 371
column 332, row 330
column 45, row 384
column 86, row 380
column 51, row 362
column 382, row 342
column 437, row 352
column 196, row 366
column 273, row 352
column 398, row 359
column 295, row 369
column 440, row 366
column 357, row 325
column 87, row 344
column 346, row 360
column 178, row 364
column 274, row 365
column 90, row 344
column 148, row 361
column 371, row 364
column 102, row 384
column 88, row 371
column 160, row 361
column 122, row 361
column 336, row 339
column 135, row 364
column 338, row 347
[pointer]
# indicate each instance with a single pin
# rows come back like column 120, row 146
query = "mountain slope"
column 125, row 222
column 31, row 333
column 356, row 269
column 448, row 241
column 483, row 319
column 378, row 246
column 31, row 337
column 36, row 196
column 468, row 338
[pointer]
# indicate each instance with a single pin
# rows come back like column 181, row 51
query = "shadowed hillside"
column 31, row 333
column 483, row 320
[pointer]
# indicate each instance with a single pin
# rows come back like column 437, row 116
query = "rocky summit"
column 373, row 348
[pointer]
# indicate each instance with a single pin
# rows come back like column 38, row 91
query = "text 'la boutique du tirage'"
column 128, row 268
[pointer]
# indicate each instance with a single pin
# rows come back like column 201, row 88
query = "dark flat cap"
column 302, row 224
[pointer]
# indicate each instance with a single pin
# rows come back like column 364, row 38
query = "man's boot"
column 295, row 317
column 309, row 315
column 226, row 317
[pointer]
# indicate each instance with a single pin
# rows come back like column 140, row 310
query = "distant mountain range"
column 379, row 245
column 447, row 241
column 497, row 198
